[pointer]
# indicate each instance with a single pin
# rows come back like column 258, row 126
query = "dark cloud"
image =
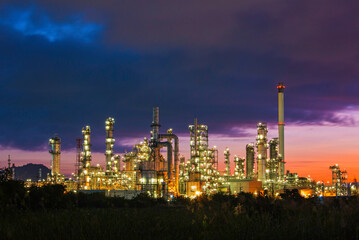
column 32, row 22
column 217, row 62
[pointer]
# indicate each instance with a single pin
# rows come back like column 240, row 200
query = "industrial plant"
column 155, row 166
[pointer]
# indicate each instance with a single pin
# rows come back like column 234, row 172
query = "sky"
column 71, row 63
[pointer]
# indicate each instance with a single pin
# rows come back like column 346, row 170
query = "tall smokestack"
column 281, row 88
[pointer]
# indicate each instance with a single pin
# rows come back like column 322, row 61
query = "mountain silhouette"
column 31, row 171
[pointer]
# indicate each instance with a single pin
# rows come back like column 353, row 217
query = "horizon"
column 319, row 170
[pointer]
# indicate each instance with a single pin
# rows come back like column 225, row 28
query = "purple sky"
column 66, row 64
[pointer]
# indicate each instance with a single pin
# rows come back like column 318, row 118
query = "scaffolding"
column 201, row 170
column 339, row 179
column 239, row 167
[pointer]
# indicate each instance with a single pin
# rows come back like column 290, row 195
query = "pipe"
column 176, row 151
column 169, row 156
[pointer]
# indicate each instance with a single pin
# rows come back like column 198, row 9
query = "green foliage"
column 291, row 194
column 50, row 211
column 5, row 174
column 49, row 197
column 12, row 194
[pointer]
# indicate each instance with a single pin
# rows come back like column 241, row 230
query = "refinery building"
column 147, row 169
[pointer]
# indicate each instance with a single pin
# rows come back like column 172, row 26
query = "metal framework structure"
column 239, row 168
column 339, row 179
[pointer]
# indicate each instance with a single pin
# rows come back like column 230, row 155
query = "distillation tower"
column 262, row 150
column 55, row 151
column 110, row 141
column 273, row 165
column 227, row 162
column 86, row 156
column 250, row 160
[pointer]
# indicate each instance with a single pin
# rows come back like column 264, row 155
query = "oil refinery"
column 155, row 166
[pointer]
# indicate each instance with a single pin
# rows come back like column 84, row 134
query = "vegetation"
column 50, row 213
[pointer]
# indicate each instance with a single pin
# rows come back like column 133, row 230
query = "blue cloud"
column 33, row 23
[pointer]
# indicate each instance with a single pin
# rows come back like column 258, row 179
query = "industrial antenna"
column 39, row 176
column 9, row 161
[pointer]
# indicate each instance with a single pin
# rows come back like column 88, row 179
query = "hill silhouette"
column 31, row 171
